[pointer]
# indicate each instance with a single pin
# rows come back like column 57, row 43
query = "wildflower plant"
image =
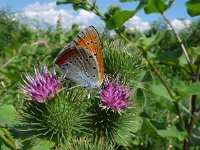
column 42, row 87
column 61, row 112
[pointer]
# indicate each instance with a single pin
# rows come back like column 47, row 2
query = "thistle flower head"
column 42, row 43
column 114, row 95
column 42, row 87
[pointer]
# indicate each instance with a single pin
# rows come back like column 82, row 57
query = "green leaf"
column 8, row 115
column 141, row 5
column 191, row 89
column 44, row 145
column 128, row 0
column 172, row 132
column 159, row 128
column 195, row 141
column 157, row 6
column 182, row 60
column 119, row 18
column 193, row 7
column 147, row 77
column 146, row 42
column 140, row 97
column 11, row 75
column 160, row 90
column 169, row 57
column 147, row 127
column 61, row 3
column 3, row 146
column 168, row 106
column 150, row 55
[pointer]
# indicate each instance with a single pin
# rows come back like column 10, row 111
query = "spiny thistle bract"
column 114, row 122
column 71, row 114
column 123, row 60
column 58, row 119
column 86, row 143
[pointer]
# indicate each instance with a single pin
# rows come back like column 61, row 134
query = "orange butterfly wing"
column 89, row 39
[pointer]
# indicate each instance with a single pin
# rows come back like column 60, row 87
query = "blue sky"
column 47, row 11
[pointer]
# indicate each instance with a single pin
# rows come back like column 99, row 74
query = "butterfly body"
column 81, row 60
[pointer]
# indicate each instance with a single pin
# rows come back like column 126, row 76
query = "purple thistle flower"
column 42, row 43
column 42, row 87
column 114, row 96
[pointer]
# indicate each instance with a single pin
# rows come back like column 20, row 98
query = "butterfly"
column 81, row 60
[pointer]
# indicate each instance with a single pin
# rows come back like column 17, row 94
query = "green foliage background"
column 169, row 110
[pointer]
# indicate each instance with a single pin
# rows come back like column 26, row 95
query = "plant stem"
column 7, row 142
column 161, row 78
column 95, row 10
column 193, row 78
column 8, row 62
column 8, row 135
column 181, row 44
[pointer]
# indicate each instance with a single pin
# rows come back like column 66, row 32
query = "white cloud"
column 48, row 13
column 136, row 23
column 180, row 24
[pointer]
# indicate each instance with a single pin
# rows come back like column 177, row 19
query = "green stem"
column 181, row 44
column 95, row 10
column 161, row 78
column 8, row 62
column 8, row 135
column 193, row 78
column 7, row 142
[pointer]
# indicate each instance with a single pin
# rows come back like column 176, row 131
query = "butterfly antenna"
column 63, row 77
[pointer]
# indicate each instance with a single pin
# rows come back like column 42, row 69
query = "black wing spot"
column 94, row 68
column 95, row 42
column 88, row 43
column 75, row 61
column 78, row 39
column 90, row 56
column 94, row 76
column 91, row 41
column 70, row 62
column 86, row 59
column 82, row 35
column 63, row 68
column 81, row 58
column 95, row 54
